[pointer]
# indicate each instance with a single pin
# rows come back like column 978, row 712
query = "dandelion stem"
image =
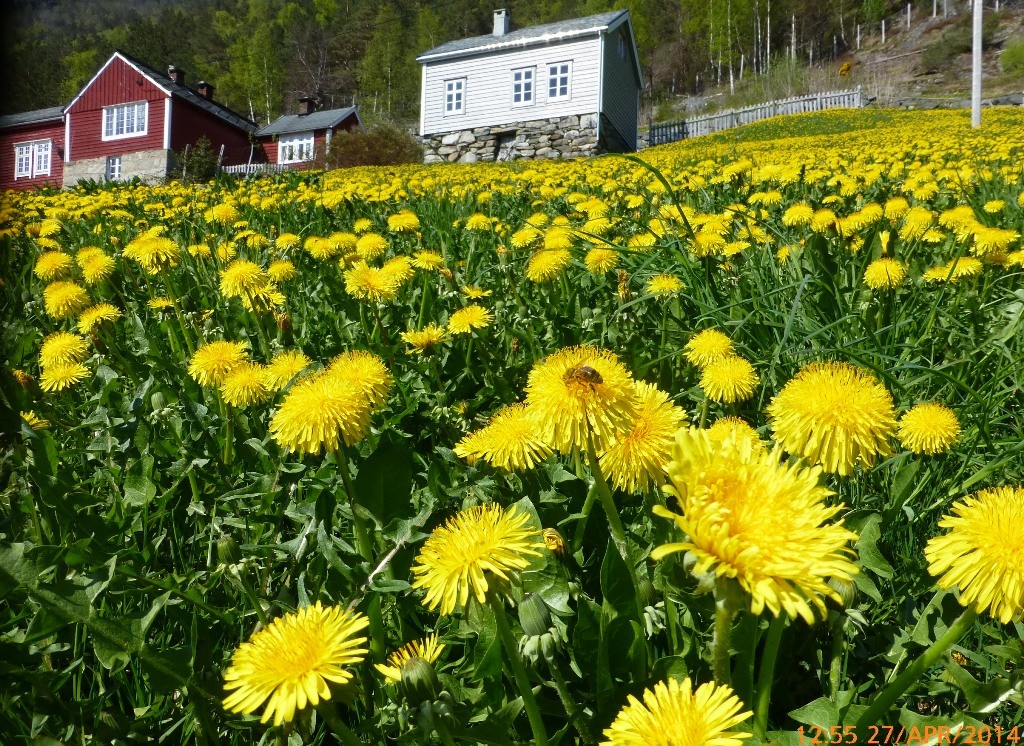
column 362, row 537
column 380, row 325
column 327, row 711
column 250, row 594
column 540, row 736
column 581, row 525
column 571, row 709
column 181, row 317
column 423, row 300
column 724, row 614
column 836, row 657
column 608, row 503
column 766, row 673
column 229, row 433
column 915, row 671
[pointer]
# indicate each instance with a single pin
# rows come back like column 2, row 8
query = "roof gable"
column 318, row 120
column 171, row 88
column 525, row 37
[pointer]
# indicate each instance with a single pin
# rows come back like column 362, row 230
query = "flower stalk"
column 522, row 680
column 765, row 675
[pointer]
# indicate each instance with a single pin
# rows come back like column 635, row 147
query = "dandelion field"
column 722, row 443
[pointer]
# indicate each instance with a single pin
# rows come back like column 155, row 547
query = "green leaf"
column 868, row 526
column 384, row 483
column 821, row 712
column 670, row 667
column 617, row 588
column 983, row 697
column 917, row 724
column 487, row 651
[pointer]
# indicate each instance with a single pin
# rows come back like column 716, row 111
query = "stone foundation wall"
column 149, row 165
column 573, row 136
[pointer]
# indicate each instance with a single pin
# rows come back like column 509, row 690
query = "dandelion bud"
column 284, row 321
column 554, row 541
column 228, row 552
column 419, row 682
column 846, row 589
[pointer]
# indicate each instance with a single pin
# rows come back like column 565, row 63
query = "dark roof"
column 32, row 117
column 318, row 120
column 523, row 37
column 193, row 97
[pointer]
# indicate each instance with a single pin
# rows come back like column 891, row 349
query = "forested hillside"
column 261, row 55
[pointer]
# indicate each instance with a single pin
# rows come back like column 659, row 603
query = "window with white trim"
column 125, row 120
column 559, row 74
column 455, row 96
column 522, row 86
column 113, row 168
column 295, row 148
column 32, row 159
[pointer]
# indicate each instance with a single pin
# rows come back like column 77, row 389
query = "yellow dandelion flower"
column 24, row 379
column 525, row 237
column 994, row 207
column 281, row 270
column 664, row 285
column 293, row 660
column 371, row 245
column 993, row 240
column 956, row 270
column 161, row 303
column 425, row 339
column 465, row 320
column 733, row 427
column 916, row 223
column 97, row 268
column 728, row 379
column 242, row 278
column 34, row 421
column 245, row 385
column 929, row 428
column 286, row 241
column 365, row 372
column 748, row 516
column 224, row 213
column 53, row 265
column 885, row 274
column 96, row 316
column 547, row 264
column 60, row 376
column 581, row 392
column 478, row 222
column 834, row 414
column 981, row 553
column 342, row 242
column 320, row 412
column 62, row 347
column 63, row 299
column 284, row 367
column 637, row 458
column 427, row 649
column 896, row 208
column 320, row 248
column 214, row 360
column 600, row 261
column 673, row 713
column 478, row 551
column 823, row 220
column 474, row 292
column 362, row 225
column 427, row 260
column 509, row 441
column 706, row 347
column 367, row 283
column 155, row 253
column 798, row 214
column 404, row 221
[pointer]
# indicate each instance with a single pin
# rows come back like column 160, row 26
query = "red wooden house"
column 32, row 149
column 296, row 140
column 130, row 120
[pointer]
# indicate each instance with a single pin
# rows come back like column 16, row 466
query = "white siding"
column 488, row 91
column 620, row 86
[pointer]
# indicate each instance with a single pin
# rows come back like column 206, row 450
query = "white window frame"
column 296, row 148
column 556, row 72
column 622, row 46
column 524, row 85
column 454, row 97
column 32, row 159
column 131, row 118
column 113, row 168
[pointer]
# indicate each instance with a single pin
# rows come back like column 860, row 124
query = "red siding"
column 189, row 123
column 53, row 131
column 119, row 83
column 319, row 142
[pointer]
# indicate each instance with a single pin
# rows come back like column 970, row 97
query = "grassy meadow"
column 718, row 443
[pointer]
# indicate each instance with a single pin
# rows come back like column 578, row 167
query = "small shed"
column 32, row 149
column 296, row 140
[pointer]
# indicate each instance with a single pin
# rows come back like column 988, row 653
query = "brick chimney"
column 306, row 106
column 205, row 90
column 176, row 74
column 501, row 22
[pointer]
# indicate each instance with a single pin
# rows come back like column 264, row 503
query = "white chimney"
column 500, row 22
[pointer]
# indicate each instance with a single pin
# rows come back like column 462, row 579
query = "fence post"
column 858, row 34
column 883, row 31
column 935, row 7
column 908, row 15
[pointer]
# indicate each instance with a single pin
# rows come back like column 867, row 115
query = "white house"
column 560, row 90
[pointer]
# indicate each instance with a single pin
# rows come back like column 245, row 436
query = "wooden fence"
column 677, row 130
column 253, row 169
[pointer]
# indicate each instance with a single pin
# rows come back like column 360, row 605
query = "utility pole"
column 976, row 68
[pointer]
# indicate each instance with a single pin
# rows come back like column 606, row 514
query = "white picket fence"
column 671, row 131
column 253, row 169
